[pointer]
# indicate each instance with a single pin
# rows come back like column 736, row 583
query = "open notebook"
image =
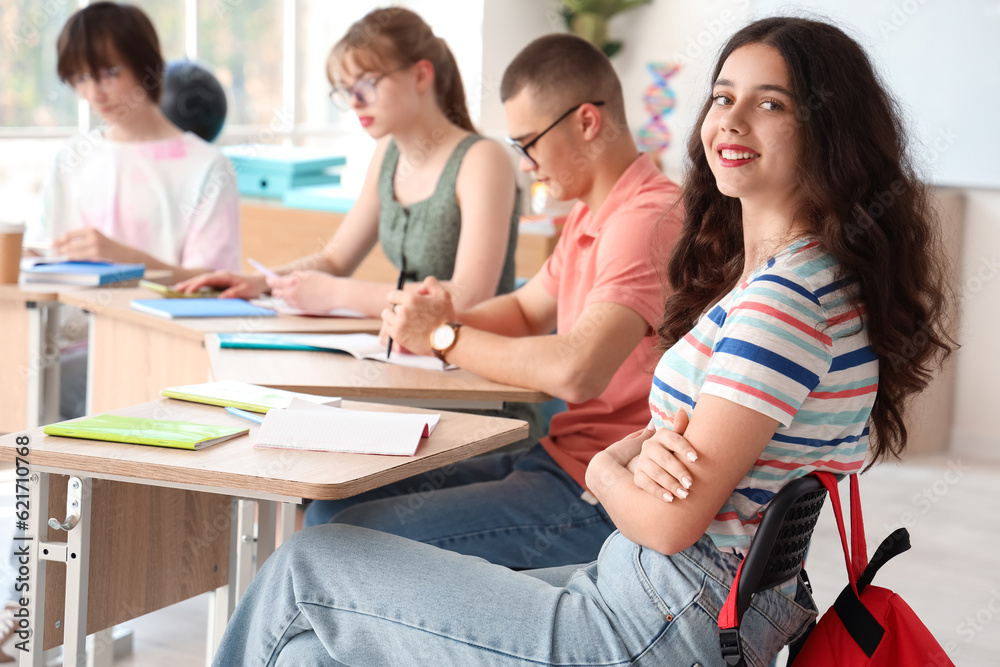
column 360, row 346
column 321, row 428
column 280, row 306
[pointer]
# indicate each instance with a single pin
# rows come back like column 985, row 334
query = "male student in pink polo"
column 601, row 290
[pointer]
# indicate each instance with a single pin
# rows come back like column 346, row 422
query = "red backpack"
column 868, row 625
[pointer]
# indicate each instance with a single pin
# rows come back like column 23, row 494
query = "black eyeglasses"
column 364, row 91
column 522, row 149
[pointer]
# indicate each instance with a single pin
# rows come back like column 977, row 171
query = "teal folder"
column 263, row 341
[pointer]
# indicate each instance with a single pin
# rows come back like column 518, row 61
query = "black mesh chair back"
column 777, row 550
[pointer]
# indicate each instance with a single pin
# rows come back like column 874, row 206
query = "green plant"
column 589, row 19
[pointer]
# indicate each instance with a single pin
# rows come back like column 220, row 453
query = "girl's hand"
column 659, row 468
column 88, row 244
column 232, row 285
column 306, row 290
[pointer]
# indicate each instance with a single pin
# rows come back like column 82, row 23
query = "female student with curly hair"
column 777, row 338
column 439, row 198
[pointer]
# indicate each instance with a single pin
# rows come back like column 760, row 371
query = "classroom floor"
column 951, row 577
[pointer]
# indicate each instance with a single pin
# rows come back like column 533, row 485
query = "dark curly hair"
column 860, row 198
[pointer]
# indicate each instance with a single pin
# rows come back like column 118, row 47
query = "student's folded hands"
column 659, row 468
column 233, row 285
column 412, row 315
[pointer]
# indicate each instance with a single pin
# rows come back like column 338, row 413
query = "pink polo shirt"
column 618, row 255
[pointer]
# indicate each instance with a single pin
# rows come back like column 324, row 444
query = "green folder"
column 139, row 431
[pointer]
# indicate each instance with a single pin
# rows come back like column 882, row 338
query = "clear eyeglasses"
column 363, row 90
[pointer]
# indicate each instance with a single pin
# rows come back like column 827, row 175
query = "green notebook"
column 140, row 431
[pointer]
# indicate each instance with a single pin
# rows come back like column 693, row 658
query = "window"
column 31, row 94
column 168, row 19
column 243, row 41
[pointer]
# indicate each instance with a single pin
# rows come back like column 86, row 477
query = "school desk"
column 156, row 525
column 334, row 374
column 134, row 355
column 29, row 387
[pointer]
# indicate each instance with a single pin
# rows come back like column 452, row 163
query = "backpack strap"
column 862, row 626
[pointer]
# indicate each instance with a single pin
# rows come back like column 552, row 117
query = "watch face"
column 443, row 337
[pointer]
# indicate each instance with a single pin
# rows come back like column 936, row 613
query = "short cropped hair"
column 92, row 34
column 562, row 70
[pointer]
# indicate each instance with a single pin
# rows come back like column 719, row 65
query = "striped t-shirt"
column 787, row 343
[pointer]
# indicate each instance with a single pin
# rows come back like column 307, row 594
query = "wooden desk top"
column 114, row 303
column 333, row 374
column 236, row 464
column 20, row 294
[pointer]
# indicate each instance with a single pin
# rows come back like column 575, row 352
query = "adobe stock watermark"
column 225, row 177
column 899, row 15
column 706, row 41
column 37, row 18
column 930, row 496
column 974, row 624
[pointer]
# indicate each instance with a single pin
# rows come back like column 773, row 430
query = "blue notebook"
column 261, row 341
column 171, row 308
column 82, row 273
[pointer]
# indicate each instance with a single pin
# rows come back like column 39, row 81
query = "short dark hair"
column 91, row 34
column 564, row 70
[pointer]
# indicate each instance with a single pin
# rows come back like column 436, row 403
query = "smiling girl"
column 440, row 199
column 137, row 190
column 782, row 315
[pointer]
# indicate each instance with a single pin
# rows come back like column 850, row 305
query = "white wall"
column 508, row 26
column 690, row 33
column 976, row 428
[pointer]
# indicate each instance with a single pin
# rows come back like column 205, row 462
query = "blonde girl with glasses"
column 440, row 199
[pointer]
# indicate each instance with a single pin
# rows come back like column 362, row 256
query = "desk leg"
column 267, row 515
column 77, row 580
column 43, row 364
column 223, row 600
column 245, row 550
column 287, row 520
column 38, row 496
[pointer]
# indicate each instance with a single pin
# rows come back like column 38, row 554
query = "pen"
column 399, row 286
column 257, row 419
column 260, row 267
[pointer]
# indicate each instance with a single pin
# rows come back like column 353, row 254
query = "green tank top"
column 423, row 238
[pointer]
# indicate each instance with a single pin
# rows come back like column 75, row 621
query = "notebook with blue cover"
column 82, row 273
column 171, row 308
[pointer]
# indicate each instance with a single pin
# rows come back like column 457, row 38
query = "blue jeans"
column 341, row 595
column 518, row 509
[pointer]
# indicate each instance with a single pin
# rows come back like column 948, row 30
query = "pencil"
column 399, row 286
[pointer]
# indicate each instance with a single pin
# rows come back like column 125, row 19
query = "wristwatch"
column 443, row 338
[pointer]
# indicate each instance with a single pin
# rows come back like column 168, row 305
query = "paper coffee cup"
column 11, row 235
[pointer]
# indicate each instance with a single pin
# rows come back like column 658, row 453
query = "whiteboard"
column 941, row 61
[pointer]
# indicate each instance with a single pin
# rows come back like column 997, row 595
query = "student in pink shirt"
column 601, row 292
column 137, row 190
